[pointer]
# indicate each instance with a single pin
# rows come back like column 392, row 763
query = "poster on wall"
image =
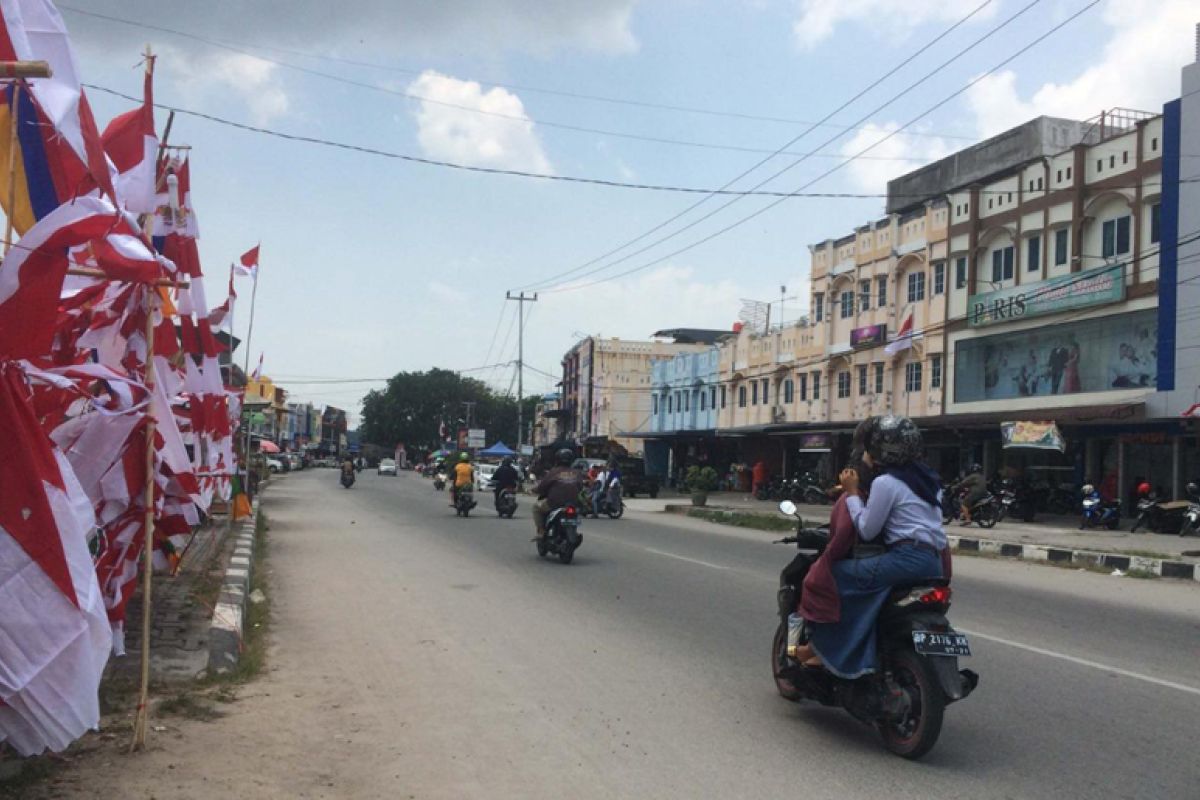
column 1096, row 355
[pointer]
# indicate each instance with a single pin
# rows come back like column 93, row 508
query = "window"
column 687, row 401
column 1099, row 165
column 816, row 386
column 723, row 397
column 843, row 384
column 703, row 400
column 753, row 393
column 819, row 307
column 670, row 404
column 1033, row 254
column 864, row 294
column 960, row 272
column 862, row 380
column 881, row 291
column 1155, row 221
column 803, row 386
column 1041, row 183
column 1059, row 178
column 1068, row 173
column 1010, row 197
column 789, row 391
column 712, row 398
column 1154, row 143
column 847, row 305
column 1115, row 237
column 1112, row 161
column 1002, row 264
column 741, row 397
column 935, row 371
column 916, row 286
column 1060, row 246
column 1125, row 157
column 912, row 376
column 766, row 382
column 939, row 277
column 653, row 404
column 879, row 379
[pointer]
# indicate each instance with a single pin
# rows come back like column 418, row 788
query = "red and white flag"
column 132, row 146
column 248, row 264
column 257, row 374
column 904, row 337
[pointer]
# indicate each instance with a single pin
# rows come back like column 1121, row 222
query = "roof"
column 691, row 335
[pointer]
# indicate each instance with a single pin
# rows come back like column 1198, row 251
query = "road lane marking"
column 1083, row 662
column 684, row 558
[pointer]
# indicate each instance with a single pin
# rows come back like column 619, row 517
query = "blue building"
column 683, row 413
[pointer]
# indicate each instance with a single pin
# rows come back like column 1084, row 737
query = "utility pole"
column 521, row 299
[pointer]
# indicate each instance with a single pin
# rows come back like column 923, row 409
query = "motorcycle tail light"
column 570, row 512
column 937, row 596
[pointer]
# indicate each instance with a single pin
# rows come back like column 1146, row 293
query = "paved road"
column 444, row 659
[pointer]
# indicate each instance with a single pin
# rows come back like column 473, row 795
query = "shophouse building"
column 684, row 393
column 546, row 415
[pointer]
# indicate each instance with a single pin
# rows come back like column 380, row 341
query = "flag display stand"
column 140, row 721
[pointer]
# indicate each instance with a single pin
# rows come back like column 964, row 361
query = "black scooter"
column 347, row 478
column 917, row 675
column 506, row 503
column 562, row 537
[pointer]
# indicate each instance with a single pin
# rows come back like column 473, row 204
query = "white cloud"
column 872, row 174
column 446, row 294
column 452, row 134
column 205, row 76
column 1137, row 68
column 819, row 19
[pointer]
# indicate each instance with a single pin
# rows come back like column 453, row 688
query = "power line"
column 773, row 204
column 792, row 141
column 233, row 45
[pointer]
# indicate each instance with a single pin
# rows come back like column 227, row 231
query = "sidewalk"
column 1055, row 532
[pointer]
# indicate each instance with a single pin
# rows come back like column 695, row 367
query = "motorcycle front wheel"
column 917, row 733
column 616, row 513
column 985, row 516
column 778, row 661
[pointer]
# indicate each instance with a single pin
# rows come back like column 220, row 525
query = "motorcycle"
column 1014, row 500
column 611, row 502
column 1191, row 520
column 985, row 513
column 917, row 675
column 347, row 478
column 562, row 534
column 806, row 489
column 1097, row 511
column 439, row 481
column 506, row 503
column 1149, row 513
column 464, row 500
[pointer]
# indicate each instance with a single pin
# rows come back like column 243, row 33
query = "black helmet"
column 565, row 456
column 507, row 462
column 892, row 440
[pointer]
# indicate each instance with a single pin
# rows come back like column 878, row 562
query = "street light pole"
column 521, row 301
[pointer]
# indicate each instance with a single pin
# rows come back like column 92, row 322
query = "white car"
column 483, row 476
column 275, row 465
column 387, row 466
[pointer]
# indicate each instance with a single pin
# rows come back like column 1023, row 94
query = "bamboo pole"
column 88, row 272
column 14, row 112
column 246, row 373
column 140, row 721
column 25, row 69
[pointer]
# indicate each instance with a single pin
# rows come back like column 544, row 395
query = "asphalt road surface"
column 442, row 658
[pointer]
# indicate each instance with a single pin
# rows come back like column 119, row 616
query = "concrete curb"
column 1162, row 567
column 228, row 620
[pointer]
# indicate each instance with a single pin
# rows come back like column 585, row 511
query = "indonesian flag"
column 248, row 263
column 132, row 146
column 904, row 337
column 257, row 374
column 54, row 632
column 221, row 317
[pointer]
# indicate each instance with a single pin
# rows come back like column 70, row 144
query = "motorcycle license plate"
column 570, row 523
column 941, row 644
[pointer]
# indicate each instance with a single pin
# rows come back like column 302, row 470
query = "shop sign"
column 1065, row 293
column 1032, row 435
column 816, row 442
column 1147, row 437
column 868, row 336
column 476, row 437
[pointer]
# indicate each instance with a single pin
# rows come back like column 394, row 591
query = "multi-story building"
column 606, row 382
column 546, row 416
column 333, row 431
column 685, row 391
column 301, row 422
column 266, row 405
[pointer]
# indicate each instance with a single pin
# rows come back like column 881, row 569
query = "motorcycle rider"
column 904, row 509
column 505, row 477
column 975, row 486
column 463, row 475
column 558, row 488
column 599, row 484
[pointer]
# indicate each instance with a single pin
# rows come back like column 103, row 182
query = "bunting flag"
column 904, row 337
column 132, row 146
column 247, row 265
column 54, row 634
column 59, row 153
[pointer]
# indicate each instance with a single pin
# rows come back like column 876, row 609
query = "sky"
column 371, row 264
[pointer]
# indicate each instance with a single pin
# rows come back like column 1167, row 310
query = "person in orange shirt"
column 463, row 475
column 759, row 475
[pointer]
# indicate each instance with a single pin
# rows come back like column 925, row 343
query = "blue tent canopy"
column 498, row 450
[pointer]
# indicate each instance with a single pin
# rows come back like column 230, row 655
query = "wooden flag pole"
column 249, row 332
column 140, row 721
column 13, row 113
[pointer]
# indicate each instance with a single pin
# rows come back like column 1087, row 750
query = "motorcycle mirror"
column 787, row 507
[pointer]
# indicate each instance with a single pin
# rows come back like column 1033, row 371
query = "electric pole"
column 521, row 301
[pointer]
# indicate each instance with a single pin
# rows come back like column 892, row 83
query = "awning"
column 498, row 450
column 1032, row 436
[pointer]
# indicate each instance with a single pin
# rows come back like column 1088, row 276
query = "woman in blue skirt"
column 904, row 513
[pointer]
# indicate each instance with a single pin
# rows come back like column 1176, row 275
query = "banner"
column 1032, row 435
column 816, row 443
column 869, row 336
column 1065, row 293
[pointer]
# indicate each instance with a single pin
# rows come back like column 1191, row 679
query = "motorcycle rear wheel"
column 985, row 516
column 541, row 548
column 566, row 554
column 617, row 514
column 916, row 735
column 778, row 661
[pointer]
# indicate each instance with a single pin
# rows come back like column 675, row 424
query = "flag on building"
column 132, row 146
column 904, row 337
column 248, row 263
column 59, row 154
column 257, row 374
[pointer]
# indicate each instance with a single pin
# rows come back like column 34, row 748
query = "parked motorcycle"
column 1150, row 513
column 439, row 481
column 807, row 489
column 1014, row 500
column 562, row 537
column 506, row 503
column 464, row 500
column 1191, row 517
column 1098, row 511
column 917, row 675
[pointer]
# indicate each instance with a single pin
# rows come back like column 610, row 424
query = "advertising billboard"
column 1065, row 293
column 868, row 336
